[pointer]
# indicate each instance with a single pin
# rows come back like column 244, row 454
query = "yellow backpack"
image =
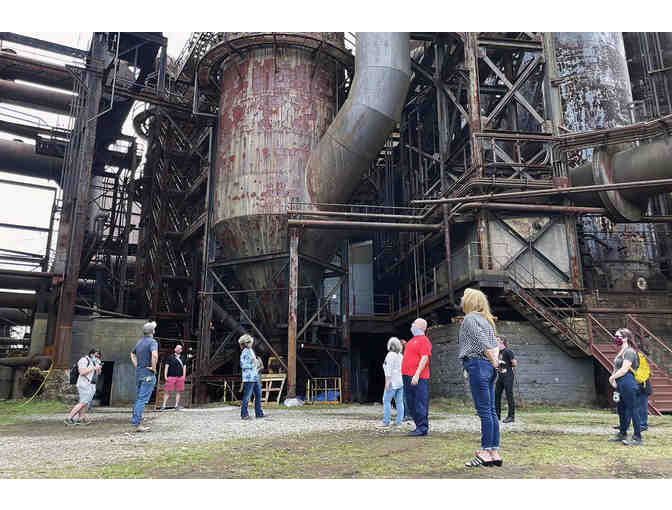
column 643, row 372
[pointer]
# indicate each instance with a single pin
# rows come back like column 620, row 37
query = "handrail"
column 629, row 317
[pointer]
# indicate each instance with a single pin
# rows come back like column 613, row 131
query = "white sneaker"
column 383, row 426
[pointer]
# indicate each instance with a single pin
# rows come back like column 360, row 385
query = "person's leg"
column 387, row 398
column 620, row 407
column 407, row 410
column 631, row 408
column 166, row 394
column 499, row 387
column 478, row 384
column 409, row 391
column 144, row 392
column 628, row 389
column 399, row 401
column 177, row 399
column 494, row 441
column 422, row 406
column 75, row 410
column 642, row 407
column 257, row 400
column 247, row 390
column 508, row 387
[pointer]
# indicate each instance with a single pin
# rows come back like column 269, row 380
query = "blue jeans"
column 643, row 408
column 417, row 398
column 145, row 381
column 482, row 385
column 248, row 388
column 398, row 395
column 628, row 411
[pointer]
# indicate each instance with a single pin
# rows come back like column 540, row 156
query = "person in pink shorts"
column 174, row 374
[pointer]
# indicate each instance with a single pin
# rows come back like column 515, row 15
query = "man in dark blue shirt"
column 144, row 357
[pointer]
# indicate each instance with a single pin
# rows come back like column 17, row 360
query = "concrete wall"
column 544, row 373
column 5, row 382
column 38, row 333
column 115, row 338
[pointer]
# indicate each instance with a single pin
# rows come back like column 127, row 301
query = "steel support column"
column 73, row 221
column 291, row 318
column 441, row 110
column 207, row 281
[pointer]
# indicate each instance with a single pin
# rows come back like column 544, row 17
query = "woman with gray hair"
column 250, row 368
column 394, row 385
column 623, row 379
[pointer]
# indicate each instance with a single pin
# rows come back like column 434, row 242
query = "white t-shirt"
column 84, row 363
column 392, row 369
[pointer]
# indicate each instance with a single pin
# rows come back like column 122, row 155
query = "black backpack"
column 74, row 371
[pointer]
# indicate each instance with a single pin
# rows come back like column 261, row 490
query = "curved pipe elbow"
column 359, row 130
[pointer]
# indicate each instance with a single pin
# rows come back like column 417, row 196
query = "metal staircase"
column 585, row 336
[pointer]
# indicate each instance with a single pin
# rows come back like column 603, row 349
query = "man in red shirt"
column 415, row 373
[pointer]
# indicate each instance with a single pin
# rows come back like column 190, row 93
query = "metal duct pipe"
column 24, row 280
column 20, row 158
column 648, row 162
column 17, row 300
column 16, row 67
column 359, row 131
column 22, row 94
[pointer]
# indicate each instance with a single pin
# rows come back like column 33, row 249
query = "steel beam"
column 291, row 318
column 364, row 225
column 40, row 44
column 660, row 183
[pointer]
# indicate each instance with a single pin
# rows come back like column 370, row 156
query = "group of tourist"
column 144, row 357
column 489, row 369
column 487, row 362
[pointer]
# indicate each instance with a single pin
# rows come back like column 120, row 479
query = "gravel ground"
column 45, row 443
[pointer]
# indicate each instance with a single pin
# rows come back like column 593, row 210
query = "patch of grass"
column 14, row 411
column 370, row 454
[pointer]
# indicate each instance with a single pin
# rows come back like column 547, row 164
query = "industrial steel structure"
column 317, row 189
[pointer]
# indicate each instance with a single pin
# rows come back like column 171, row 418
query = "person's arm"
column 165, row 371
column 134, row 360
column 155, row 359
column 184, row 371
column 620, row 372
column 421, row 366
column 387, row 369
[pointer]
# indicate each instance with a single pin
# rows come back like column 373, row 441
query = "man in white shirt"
column 89, row 368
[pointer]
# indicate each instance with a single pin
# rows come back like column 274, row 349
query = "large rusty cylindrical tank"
column 276, row 102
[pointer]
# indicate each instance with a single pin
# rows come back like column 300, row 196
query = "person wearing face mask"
column 623, row 379
column 175, row 373
column 415, row 374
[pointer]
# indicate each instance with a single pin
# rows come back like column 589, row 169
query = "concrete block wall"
column 116, row 339
column 544, row 373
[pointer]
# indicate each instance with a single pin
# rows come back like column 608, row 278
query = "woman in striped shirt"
column 480, row 358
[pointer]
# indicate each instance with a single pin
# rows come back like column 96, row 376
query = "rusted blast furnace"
column 275, row 105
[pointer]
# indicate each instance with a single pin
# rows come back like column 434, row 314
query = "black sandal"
column 478, row 461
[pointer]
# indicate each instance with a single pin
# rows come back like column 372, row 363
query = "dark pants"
column 417, row 398
column 505, row 383
column 643, row 406
column 248, row 388
column 627, row 408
